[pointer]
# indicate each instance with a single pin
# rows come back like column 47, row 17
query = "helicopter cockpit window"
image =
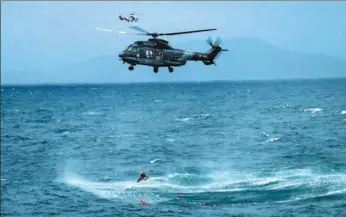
column 129, row 48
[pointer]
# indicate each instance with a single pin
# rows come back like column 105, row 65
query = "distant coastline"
column 341, row 79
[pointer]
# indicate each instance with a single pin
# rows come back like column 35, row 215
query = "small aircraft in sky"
column 130, row 18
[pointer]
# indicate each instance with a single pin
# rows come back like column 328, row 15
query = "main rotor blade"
column 130, row 33
column 186, row 32
column 139, row 29
column 106, row 30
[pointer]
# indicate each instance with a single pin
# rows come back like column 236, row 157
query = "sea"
column 231, row 148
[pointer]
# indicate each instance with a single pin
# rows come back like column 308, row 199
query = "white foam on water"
column 343, row 112
column 265, row 134
column 266, row 181
column 194, row 116
column 336, row 192
column 92, row 113
column 128, row 191
column 183, row 119
column 273, row 139
column 170, row 140
column 153, row 161
column 153, row 189
column 313, row 110
column 313, row 195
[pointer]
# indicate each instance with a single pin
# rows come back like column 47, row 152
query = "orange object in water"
column 142, row 202
column 180, row 196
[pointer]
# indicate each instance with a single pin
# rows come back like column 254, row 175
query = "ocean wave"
column 313, row 196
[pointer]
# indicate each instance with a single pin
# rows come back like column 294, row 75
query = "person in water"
column 142, row 202
column 143, row 176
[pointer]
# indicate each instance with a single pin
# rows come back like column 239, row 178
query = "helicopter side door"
column 158, row 55
column 148, row 55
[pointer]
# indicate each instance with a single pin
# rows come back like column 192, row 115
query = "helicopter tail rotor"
column 215, row 50
column 217, row 42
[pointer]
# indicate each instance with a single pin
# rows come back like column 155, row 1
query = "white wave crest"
column 153, row 161
column 93, row 113
column 273, row 139
column 313, row 110
column 183, row 119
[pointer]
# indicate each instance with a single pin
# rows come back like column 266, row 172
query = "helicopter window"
column 129, row 48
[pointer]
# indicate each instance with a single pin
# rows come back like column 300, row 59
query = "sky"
column 44, row 36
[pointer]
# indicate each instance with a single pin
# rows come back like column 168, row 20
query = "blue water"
column 269, row 148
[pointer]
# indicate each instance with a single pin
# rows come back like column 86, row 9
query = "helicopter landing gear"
column 171, row 69
column 156, row 69
column 131, row 68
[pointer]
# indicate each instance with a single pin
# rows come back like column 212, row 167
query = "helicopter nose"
column 121, row 55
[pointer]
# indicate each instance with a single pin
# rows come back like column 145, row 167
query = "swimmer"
column 142, row 202
column 143, row 176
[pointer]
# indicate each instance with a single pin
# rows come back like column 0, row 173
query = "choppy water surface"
column 255, row 148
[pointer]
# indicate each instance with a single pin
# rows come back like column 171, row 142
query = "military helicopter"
column 158, row 53
column 130, row 18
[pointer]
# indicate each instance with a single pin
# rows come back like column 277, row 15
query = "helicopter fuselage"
column 130, row 18
column 158, row 53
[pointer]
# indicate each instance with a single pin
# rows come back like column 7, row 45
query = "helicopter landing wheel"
column 171, row 69
column 156, row 69
column 131, row 68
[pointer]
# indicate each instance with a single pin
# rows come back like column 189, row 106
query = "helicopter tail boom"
column 207, row 58
column 212, row 54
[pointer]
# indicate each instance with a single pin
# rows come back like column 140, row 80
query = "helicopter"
column 130, row 18
column 157, row 52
